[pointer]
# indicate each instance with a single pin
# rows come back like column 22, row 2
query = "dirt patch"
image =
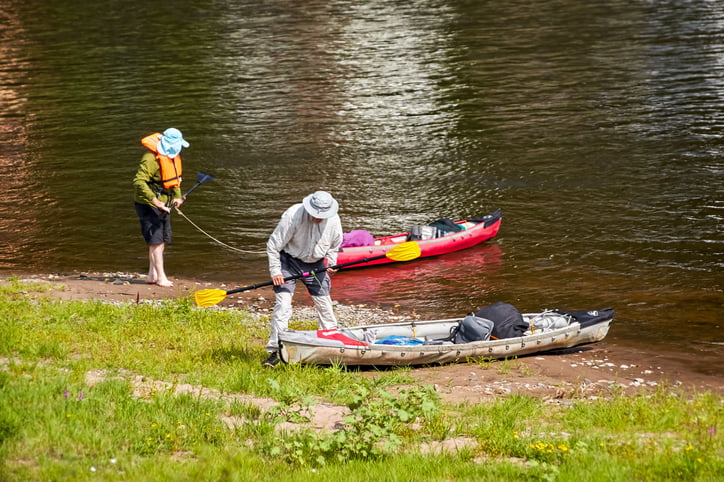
column 583, row 372
column 324, row 416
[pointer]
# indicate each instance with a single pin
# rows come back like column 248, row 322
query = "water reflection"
column 22, row 191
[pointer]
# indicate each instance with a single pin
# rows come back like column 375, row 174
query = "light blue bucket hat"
column 171, row 142
column 320, row 205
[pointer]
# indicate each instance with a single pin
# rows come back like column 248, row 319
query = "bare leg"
column 152, row 276
column 155, row 256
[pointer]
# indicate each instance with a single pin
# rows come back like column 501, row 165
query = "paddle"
column 200, row 179
column 402, row 252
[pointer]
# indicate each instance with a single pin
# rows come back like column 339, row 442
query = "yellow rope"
column 216, row 240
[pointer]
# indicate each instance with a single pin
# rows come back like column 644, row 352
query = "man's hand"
column 278, row 280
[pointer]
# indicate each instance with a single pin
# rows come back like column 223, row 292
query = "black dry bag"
column 509, row 322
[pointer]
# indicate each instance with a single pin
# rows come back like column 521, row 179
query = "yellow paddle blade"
column 404, row 252
column 209, row 297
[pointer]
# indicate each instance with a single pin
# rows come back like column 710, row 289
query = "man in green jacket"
column 157, row 190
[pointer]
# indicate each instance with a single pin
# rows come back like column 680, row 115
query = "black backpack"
column 588, row 318
column 445, row 226
column 508, row 321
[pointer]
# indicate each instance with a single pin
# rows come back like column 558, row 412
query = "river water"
column 597, row 128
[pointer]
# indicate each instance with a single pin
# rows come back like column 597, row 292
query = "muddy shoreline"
column 587, row 371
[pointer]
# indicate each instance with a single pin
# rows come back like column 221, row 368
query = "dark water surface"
column 597, row 127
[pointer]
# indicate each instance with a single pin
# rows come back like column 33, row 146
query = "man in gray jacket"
column 308, row 234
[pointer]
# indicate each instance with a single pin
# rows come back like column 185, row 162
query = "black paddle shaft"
column 200, row 179
column 308, row 273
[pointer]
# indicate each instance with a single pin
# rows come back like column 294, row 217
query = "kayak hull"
column 306, row 347
column 479, row 231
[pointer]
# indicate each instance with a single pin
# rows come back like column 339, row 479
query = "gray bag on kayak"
column 472, row 328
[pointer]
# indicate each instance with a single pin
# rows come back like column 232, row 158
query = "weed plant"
column 168, row 391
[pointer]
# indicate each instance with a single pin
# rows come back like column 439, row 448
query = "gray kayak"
column 366, row 345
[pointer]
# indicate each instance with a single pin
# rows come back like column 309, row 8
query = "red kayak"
column 440, row 237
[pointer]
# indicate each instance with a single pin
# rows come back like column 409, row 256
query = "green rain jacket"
column 147, row 183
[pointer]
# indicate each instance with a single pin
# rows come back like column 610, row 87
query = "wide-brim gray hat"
column 320, row 205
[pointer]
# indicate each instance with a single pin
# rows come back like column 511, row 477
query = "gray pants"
column 318, row 287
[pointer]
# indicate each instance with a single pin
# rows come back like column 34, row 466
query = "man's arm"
column 334, row 243
column 276, row 243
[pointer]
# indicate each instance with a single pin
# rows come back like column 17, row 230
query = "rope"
column 216, row 240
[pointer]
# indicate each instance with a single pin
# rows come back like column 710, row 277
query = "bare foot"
column 164, row 284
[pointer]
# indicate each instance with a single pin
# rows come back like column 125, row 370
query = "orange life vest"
column 170, row 168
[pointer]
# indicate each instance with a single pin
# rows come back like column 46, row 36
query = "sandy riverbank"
column 588, row 371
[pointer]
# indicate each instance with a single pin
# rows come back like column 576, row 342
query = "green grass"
column 88, row 392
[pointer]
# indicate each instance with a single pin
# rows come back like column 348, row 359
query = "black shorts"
column 155, row 224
